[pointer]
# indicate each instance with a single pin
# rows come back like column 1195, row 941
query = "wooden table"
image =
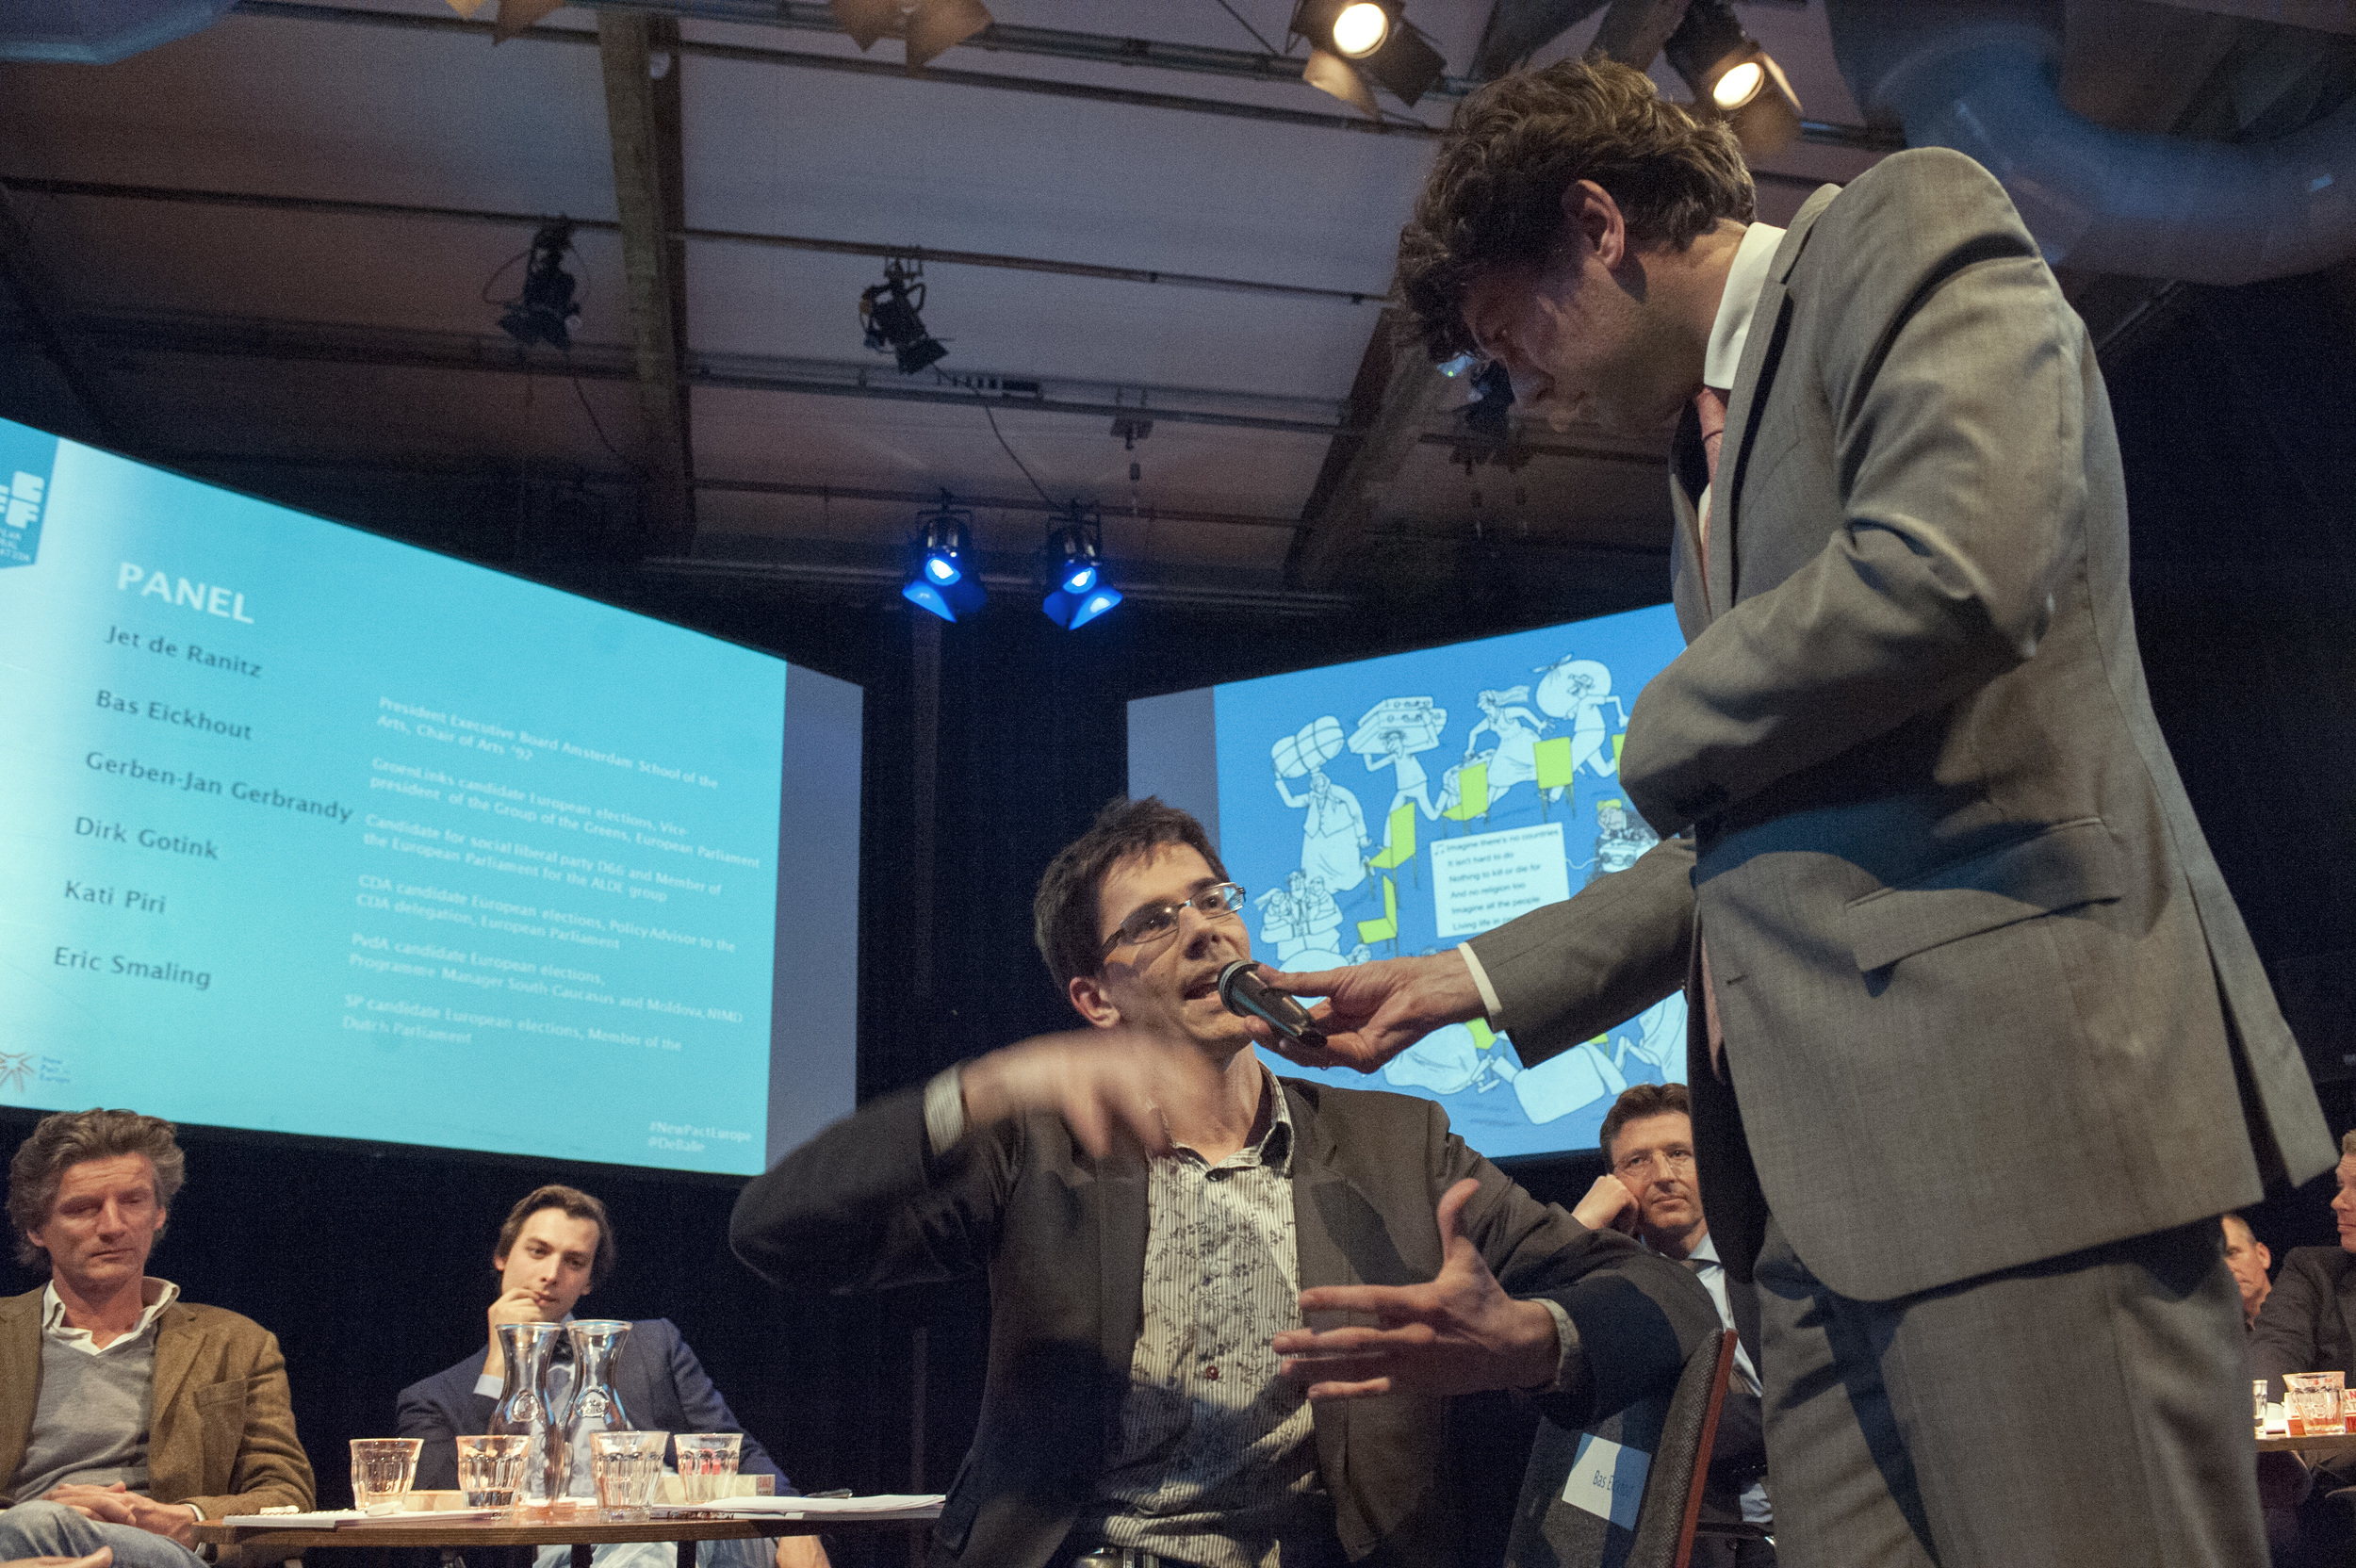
column 583, row 1534
column 2320, row 1444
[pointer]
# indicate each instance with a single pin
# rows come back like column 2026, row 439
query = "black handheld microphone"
column 1246, row 995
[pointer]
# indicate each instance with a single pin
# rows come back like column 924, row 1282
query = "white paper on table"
column 320, row 1519
column 916, row 1505
column 425, row 1516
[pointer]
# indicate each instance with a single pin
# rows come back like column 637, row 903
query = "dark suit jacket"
column 662, row 1387
column 1965, row 934
column 2304, row 1326
column 1062, row 1238
column 221, row 1430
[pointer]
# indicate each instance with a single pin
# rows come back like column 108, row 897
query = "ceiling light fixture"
column 945, row 579
column 1356, row 45
column 930, row 26
column 1727, row 70
column 1075, row 554
column 545, row 311
column 888, row 315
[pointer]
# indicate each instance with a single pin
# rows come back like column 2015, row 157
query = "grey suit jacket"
column 1062, row 1236
column 1965, row 936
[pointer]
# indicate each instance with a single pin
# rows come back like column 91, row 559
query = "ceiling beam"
column 38, row 299
column 1519, row 28
column 930, row 256
column 1632, row 31
column 641, row 113
column 1105, row 49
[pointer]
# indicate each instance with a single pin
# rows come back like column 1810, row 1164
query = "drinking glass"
column 2313, row 1402
column 490, row 1469
column 626, row 1467
column 706, row 1464
column 382, row 1469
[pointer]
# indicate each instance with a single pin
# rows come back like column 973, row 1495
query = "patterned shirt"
column 1209, row 1459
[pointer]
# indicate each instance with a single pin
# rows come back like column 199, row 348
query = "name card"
column 1607, row 1479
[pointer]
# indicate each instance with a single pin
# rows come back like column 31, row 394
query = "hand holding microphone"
column 1246, row 995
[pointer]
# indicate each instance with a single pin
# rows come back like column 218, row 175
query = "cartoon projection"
column 1514, row 757
column 1300, row 922
column 1622, row 836
column 1577, row 690
column 1391, row 735
column 1334, row 834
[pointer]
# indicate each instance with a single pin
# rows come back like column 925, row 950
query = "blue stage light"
column 1074, row 552
column 943, row 580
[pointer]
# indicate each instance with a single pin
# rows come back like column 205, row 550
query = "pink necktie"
column 1710, row 404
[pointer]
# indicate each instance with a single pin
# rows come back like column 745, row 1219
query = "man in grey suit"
column 1981, row 1046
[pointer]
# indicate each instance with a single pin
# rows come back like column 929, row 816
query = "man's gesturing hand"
column 1458, row 1335
column 119, row 1505
column 1102, row 1081
column 1372, row 1012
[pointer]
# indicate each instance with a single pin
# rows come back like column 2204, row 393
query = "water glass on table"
column 626, row 1467
column 706, row 1464
column 382, row 1469
column 2312, row 1399
column 490, row 1469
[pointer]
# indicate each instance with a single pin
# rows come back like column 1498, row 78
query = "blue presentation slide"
column 309, row 831
column 1402, row 805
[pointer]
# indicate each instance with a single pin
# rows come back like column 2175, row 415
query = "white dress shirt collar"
column 155, row 1296
column 1732, row 329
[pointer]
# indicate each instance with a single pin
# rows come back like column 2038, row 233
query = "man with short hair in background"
column 556, row 1245
column 1652, row 1192
column 2247, row 1257
column 126, row 1415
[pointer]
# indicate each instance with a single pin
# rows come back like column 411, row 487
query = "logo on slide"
column 15, row 1071
column 27, row 457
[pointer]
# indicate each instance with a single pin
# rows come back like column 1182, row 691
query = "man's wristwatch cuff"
column 1490, row 1006
column 944, row 1110
column 1566, row 1359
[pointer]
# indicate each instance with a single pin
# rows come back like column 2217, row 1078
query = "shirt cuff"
column 1567, row 1360
column 944, row 1111
column 1489, row 1002
column 490, row 1387
column 193, row 1508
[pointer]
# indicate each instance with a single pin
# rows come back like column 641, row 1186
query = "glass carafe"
column 596, row 1405
column 525, row 1410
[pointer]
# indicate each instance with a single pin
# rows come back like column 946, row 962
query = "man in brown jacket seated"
column 126, row 1415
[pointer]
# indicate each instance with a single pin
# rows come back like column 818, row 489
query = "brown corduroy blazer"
column 220, row 1429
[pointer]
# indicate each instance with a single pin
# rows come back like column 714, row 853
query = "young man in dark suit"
column 1653, row 1192
column 1228, row 1312
column 1927, row 874
column 556, row 1245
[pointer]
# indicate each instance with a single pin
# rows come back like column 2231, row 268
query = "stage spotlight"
column 1356, row 42
column 1075, row 554
column 888, row 312
column 945, row 580
column 545, row 311
column 929, row 25
column 1726, row 70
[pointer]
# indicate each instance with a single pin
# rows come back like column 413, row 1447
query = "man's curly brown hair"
column 1495, row 193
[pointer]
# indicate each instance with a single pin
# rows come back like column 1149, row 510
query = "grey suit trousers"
column 2082, row 1411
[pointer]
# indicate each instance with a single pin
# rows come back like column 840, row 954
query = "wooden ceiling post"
column 642, row 112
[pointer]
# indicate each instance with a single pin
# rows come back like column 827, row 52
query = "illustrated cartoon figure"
column 1517, row 730
column 1568, row 1081
column 1623, row 838
column 1577, row 689
column 1333, row 835
column 1389, row 736
column 1299, row 920
column 1660, row 1038
column 1448, row 1061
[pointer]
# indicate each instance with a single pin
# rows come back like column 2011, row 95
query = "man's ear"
column 1590, row 211
column 1089, row 1001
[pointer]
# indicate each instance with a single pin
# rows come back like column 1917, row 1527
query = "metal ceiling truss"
column 128, row 336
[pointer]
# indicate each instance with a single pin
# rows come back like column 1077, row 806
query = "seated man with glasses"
column 1197, row 1270
column 1652, row 1193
